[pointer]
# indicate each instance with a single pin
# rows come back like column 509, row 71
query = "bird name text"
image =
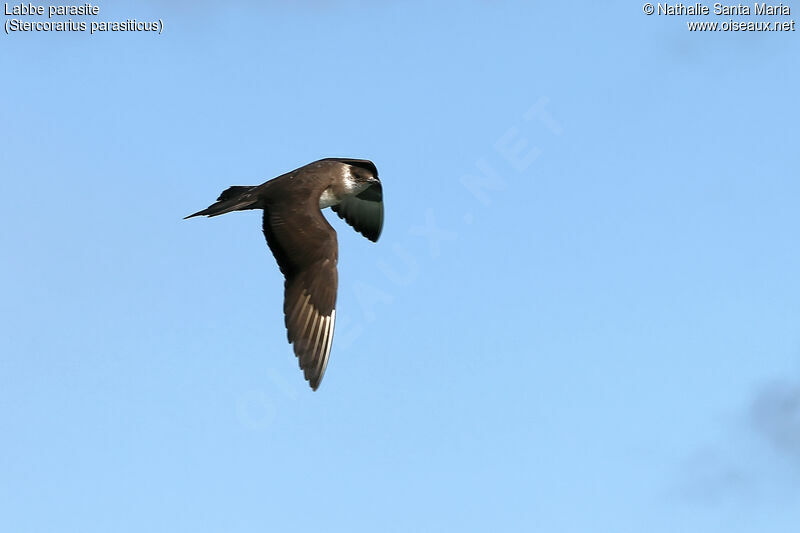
column 29, row 9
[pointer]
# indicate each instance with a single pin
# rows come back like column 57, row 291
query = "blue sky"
column 583, row 313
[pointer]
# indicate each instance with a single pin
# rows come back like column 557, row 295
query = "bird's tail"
column 236, row 198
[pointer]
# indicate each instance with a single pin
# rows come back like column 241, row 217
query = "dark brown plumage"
column 304, row 243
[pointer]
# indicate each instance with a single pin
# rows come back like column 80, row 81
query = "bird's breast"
column 328, row 198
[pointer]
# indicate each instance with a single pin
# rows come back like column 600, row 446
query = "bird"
column 304, row 243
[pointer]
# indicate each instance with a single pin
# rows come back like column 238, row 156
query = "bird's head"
column 358, row 174
column 362, row 171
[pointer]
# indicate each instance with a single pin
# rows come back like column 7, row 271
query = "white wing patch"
column 326, row 344
column 313, row 340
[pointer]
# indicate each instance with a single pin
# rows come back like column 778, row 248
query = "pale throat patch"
column 350, row 185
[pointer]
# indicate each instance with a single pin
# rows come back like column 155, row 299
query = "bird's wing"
column 364, row 211
column 304, row 244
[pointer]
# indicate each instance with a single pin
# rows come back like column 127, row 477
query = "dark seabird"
column 304, row 244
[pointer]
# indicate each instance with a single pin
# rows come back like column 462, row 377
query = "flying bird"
column 304, row 243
